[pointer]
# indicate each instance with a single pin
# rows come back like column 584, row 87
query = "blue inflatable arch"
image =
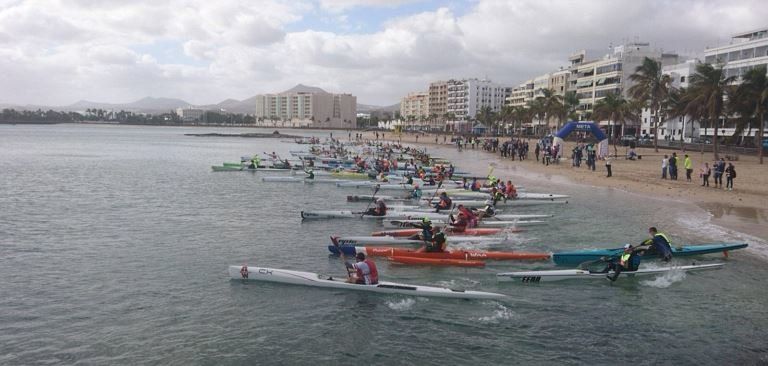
column 584, row 126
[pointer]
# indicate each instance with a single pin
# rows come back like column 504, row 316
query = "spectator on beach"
column 719, row 171
column 673, row 166
column 730, row 173
column 608, row 166
column 664, row 165
column 705, row 172
column 688, row 164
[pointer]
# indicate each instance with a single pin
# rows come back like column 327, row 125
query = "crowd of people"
column 719, row 168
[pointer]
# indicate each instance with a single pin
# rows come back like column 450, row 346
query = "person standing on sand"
column 608, row 166
column 719, row 170
column 730, row 173
column 688, row 164
column 673, row 167
column 705, row 172
column 664, row 165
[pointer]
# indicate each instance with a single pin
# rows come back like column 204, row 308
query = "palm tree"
column 651, row 88
column 536, row 110
column 487, row 116
column 707, row 88
column 553, row 106
column 754, row 93
column 614, row 108
column 570, row 103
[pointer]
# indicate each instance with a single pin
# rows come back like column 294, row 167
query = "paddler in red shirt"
column 365, row 272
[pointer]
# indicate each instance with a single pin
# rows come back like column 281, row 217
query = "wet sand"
column 744, row 209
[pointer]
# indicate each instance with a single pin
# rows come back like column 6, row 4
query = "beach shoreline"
column 743, row 210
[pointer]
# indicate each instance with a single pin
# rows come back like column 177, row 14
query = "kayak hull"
column 580, row 256
column 578, row 274
column 455, row 254
column 411, row 232
column 436, row 262
column 250, row 273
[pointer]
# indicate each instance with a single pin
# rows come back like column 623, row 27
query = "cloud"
column 56, row 52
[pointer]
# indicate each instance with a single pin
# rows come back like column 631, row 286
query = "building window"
column 682, row 79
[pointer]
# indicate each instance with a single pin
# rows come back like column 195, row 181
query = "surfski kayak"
column 391, row 240
column 450, row 254
column 248, row 273
column 481, row 224
column 447, row 230
column 571, row 274
column 436, row 261
column 394, row 215
column 580, row 256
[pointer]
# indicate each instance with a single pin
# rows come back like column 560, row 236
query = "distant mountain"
column 301, row 88
column 144, row 105
column 376, row 108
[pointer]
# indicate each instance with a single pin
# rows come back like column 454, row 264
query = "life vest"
column 381, row 209
column 445, row 202
column 624, row 259
column 666, row 239
column 366, row 271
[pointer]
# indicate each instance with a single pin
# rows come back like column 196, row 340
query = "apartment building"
column 745, row 51
column 468, row 96
column 415, row 107
column 304, row 106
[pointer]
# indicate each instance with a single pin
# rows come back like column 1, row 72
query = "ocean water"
column 115, row 242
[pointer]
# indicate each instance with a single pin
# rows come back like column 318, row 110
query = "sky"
column 57, row 52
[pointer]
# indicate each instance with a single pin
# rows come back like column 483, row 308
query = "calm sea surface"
column 115, row 242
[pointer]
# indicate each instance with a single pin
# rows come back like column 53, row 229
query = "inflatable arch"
column 584, row 126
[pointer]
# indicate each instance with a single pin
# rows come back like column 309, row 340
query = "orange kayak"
column 448, row 230
column 454, row 254
column 437, row 262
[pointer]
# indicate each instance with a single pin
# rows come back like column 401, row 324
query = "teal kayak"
column 580, row 256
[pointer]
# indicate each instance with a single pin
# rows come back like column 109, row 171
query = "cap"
column 627, row 246
column 379, row 200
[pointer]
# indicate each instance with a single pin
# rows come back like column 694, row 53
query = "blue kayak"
column 580, row 256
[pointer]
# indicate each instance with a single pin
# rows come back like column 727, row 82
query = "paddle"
column 335, row 242
column 435, row 194
column 373, row 198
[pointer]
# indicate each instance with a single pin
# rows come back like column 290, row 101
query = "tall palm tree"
column 487, row 116
column 614, row 108
column 553, row 106
column 753, row 91
column 651, row 88
column 707, row 88
column 536, row 110
column 570, row 103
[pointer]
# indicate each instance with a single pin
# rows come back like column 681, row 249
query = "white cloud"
column 56, row 52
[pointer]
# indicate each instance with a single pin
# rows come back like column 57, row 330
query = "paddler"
column 470, row 216
column 629, row 260
column 426, row 230
column 365, row 271
column 379, row 210
column 310, row 173
column 416, row 194
column 409, row 181
column 459, row 224
column 659, row 244
column 511, row 192
column 444, row 203
column 437, row 244
column 475, row 185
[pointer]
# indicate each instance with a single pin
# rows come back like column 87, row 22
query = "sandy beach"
column 745, row 209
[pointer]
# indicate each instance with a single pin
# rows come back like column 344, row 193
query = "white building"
column 746, row 50
column 191, row 114
column 468, row 96
column 307, row 106
column 679, row 127
column 592, row 80
column 414, row 108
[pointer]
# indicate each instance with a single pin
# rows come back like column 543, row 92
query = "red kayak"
column 437, row 262
column 448, row 254
column 447, row 230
